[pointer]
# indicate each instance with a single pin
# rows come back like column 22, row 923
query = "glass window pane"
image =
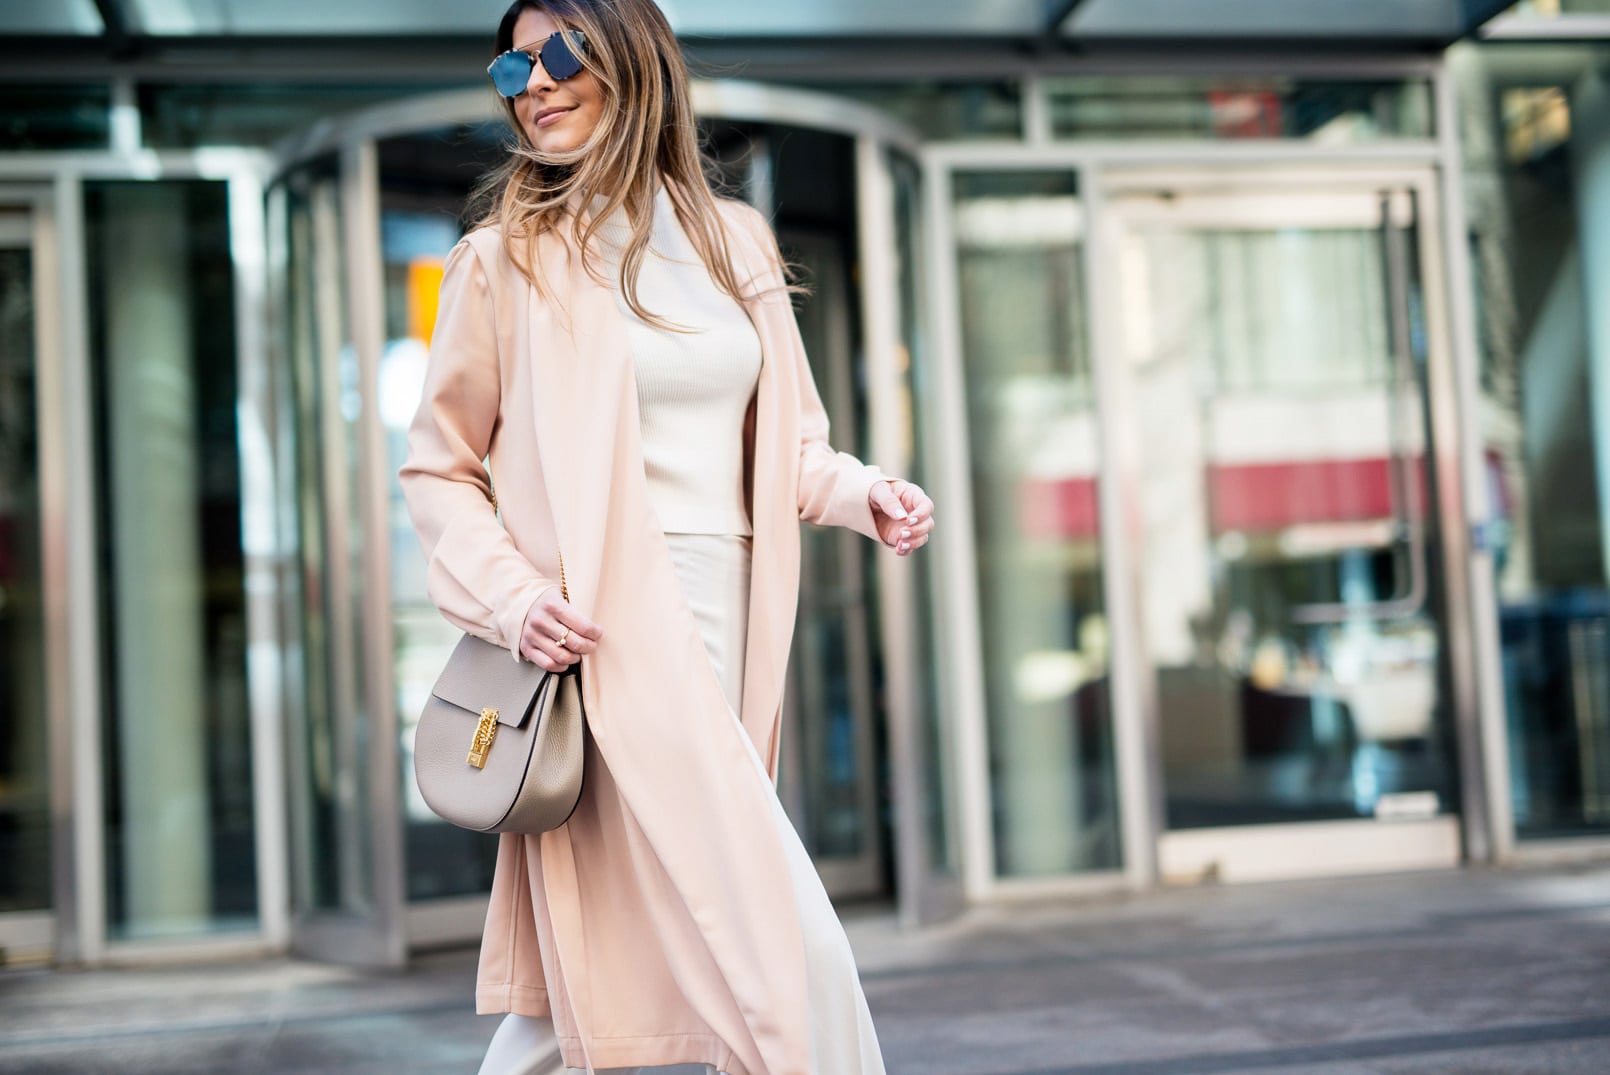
column 52, row 17
column 1552, row 9
column 56, row 117
column 940, row 110
column 1289, row 600
column 179, row 810
column 1035, row 458
column 1536, row 142
column 1231, row 108
column 199, row 114
column 1280, row 21
column 25, row 862
column 329, row 795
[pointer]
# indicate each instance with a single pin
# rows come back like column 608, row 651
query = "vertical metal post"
column 1485, row 748
column 1036, row 111
column 254, row 411
column 68, row 458
column 880, row 298
column 1134, row 701
column 959, row 629
column 360, row 175
column 56, row 566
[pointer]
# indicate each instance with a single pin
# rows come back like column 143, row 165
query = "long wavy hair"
column 647, row 131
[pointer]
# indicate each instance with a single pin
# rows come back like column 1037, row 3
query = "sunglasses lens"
column 559, row 55
column 510, row 72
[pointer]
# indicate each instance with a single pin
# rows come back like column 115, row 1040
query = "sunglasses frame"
column 572, row 41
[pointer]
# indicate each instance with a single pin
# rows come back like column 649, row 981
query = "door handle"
column 1404, row 469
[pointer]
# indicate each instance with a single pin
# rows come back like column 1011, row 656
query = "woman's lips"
column 553, row 117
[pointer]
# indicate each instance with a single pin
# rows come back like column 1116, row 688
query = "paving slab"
column 1474, row 970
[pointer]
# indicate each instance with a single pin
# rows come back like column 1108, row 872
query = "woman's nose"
column 538, row 79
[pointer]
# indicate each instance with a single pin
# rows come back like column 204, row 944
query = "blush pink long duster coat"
column 659, row 921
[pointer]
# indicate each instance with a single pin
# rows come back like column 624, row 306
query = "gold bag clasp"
column 485, row 731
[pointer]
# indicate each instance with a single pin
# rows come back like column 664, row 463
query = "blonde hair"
column 647, row 131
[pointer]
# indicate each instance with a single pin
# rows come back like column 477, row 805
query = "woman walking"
column 619, row 346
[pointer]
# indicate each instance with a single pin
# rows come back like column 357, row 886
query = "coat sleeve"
column 475, row 575
column 834, row 486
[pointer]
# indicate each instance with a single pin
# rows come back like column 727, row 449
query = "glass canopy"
column 1149, row 20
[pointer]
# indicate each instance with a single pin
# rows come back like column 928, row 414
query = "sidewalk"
column 1469, row 971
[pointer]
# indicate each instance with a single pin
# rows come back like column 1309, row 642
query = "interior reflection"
column 1288, row 598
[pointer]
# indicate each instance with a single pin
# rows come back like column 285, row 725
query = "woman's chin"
column 550, row 145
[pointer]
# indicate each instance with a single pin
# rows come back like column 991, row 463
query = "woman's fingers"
column 541, row 645
column 561, row 625
column 552, row 656
column 560, row 614
column 920, row 525
column 912, row 533
column 887, row 496
column 917, row 503
column 583, row 631
column 907, row 546
column 550, row 619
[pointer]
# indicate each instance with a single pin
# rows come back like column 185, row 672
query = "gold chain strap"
column 564, row 588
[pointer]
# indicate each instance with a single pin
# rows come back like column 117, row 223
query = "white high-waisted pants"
column 714, row 572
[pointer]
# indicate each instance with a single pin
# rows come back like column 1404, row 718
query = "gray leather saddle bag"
column 499, row 745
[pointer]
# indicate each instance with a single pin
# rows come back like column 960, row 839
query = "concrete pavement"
column 1469, row 971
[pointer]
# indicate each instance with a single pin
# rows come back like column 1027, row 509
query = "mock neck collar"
column 662, row 200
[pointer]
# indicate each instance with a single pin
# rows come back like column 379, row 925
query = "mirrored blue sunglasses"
column 560, row 54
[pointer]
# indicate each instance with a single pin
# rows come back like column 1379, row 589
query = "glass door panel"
column 1274, row 358
column 1034, row 449
column 1536, row 213
column 831, row 770
column 341, row 899
column 425, row 179
column 930, row 879
column 25, row 852
column 831, row 700
column 180, row 820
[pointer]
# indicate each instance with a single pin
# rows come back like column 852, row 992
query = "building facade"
column 1254, row 369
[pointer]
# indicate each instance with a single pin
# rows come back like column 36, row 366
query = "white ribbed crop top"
column 692, row 388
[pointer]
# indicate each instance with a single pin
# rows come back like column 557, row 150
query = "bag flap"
column 479, row 674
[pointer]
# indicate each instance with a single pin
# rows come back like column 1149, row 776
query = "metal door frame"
column 53, row 184
column 1353, row 844
column 378, row 937
column 42, row 934
column 1471, row 615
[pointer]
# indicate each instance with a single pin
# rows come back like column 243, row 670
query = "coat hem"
column 652, row 1050
column 626, row 1051
column 507, row 997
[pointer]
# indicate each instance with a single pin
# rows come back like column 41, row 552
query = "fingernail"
column 905, row 533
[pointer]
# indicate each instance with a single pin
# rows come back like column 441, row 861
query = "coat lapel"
column 774, row 455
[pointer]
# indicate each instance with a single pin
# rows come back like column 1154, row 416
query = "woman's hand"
column 550, row 619
column 903, row 513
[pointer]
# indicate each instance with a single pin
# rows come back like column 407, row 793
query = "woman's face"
column 557, row 116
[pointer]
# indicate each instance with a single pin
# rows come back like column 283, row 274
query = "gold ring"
column 560, row 641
